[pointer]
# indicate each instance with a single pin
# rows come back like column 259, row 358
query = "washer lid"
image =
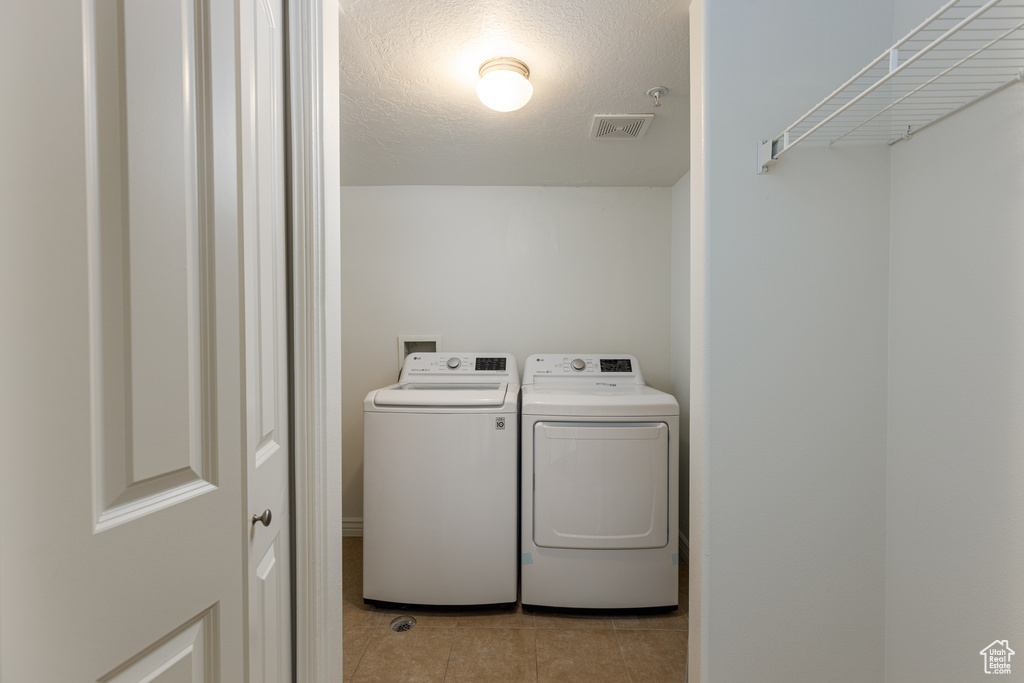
column 437, row 394
column 598, row 399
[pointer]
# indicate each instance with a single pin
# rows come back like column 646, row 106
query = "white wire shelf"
column 966, row 51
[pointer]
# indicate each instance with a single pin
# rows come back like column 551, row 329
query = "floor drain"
column 402, row 624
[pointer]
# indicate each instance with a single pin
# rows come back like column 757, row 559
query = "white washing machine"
column 600, row 486
column 440, row 481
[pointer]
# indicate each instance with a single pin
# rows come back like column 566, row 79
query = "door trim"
column 315, row 185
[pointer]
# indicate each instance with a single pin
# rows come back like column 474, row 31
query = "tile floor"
column 507, row 647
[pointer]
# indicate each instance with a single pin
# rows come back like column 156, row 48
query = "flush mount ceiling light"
column 504, row 84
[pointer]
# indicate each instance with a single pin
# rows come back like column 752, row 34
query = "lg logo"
column 499, row 423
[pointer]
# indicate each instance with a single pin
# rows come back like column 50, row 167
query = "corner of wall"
column 697, row 661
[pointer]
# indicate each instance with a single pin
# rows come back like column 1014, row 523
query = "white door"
column 267, row 454
column 124, row 513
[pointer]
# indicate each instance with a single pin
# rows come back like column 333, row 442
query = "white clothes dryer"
column 600, row 486
column 440, row 480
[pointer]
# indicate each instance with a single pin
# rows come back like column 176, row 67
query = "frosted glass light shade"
column 504, row 84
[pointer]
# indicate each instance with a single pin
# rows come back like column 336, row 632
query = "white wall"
column 789, row 352
column 680, row 335
column 955, row 508
column 508, row 269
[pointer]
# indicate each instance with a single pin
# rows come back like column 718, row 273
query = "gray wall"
column 789, row 353
column 857, row 375
column 955, row 507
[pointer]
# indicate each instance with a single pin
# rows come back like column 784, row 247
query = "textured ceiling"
column 410, row 115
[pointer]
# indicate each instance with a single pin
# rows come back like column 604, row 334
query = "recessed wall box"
column 416, row 343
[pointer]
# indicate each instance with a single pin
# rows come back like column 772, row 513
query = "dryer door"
column 600, row 485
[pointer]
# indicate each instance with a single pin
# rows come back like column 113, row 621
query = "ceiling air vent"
column 620, row 126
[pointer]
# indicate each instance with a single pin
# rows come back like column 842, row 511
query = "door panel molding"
column 272, row 607
column 187, row 654
column 149, row 223
column 268, row 215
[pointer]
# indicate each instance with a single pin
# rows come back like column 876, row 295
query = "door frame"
column 315, row 184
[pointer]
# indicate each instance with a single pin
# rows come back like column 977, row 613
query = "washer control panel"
column 460, row 364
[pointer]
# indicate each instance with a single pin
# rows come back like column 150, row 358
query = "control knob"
column 579, row 365
column 454, row 363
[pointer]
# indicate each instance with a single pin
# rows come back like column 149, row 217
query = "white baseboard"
column 684, row 547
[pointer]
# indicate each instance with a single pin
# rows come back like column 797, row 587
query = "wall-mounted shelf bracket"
column 766, row 154
column 966, row 51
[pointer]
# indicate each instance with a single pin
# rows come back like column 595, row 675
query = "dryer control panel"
column 623, row 367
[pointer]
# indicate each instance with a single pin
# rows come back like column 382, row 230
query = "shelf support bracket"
column 767, row 154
